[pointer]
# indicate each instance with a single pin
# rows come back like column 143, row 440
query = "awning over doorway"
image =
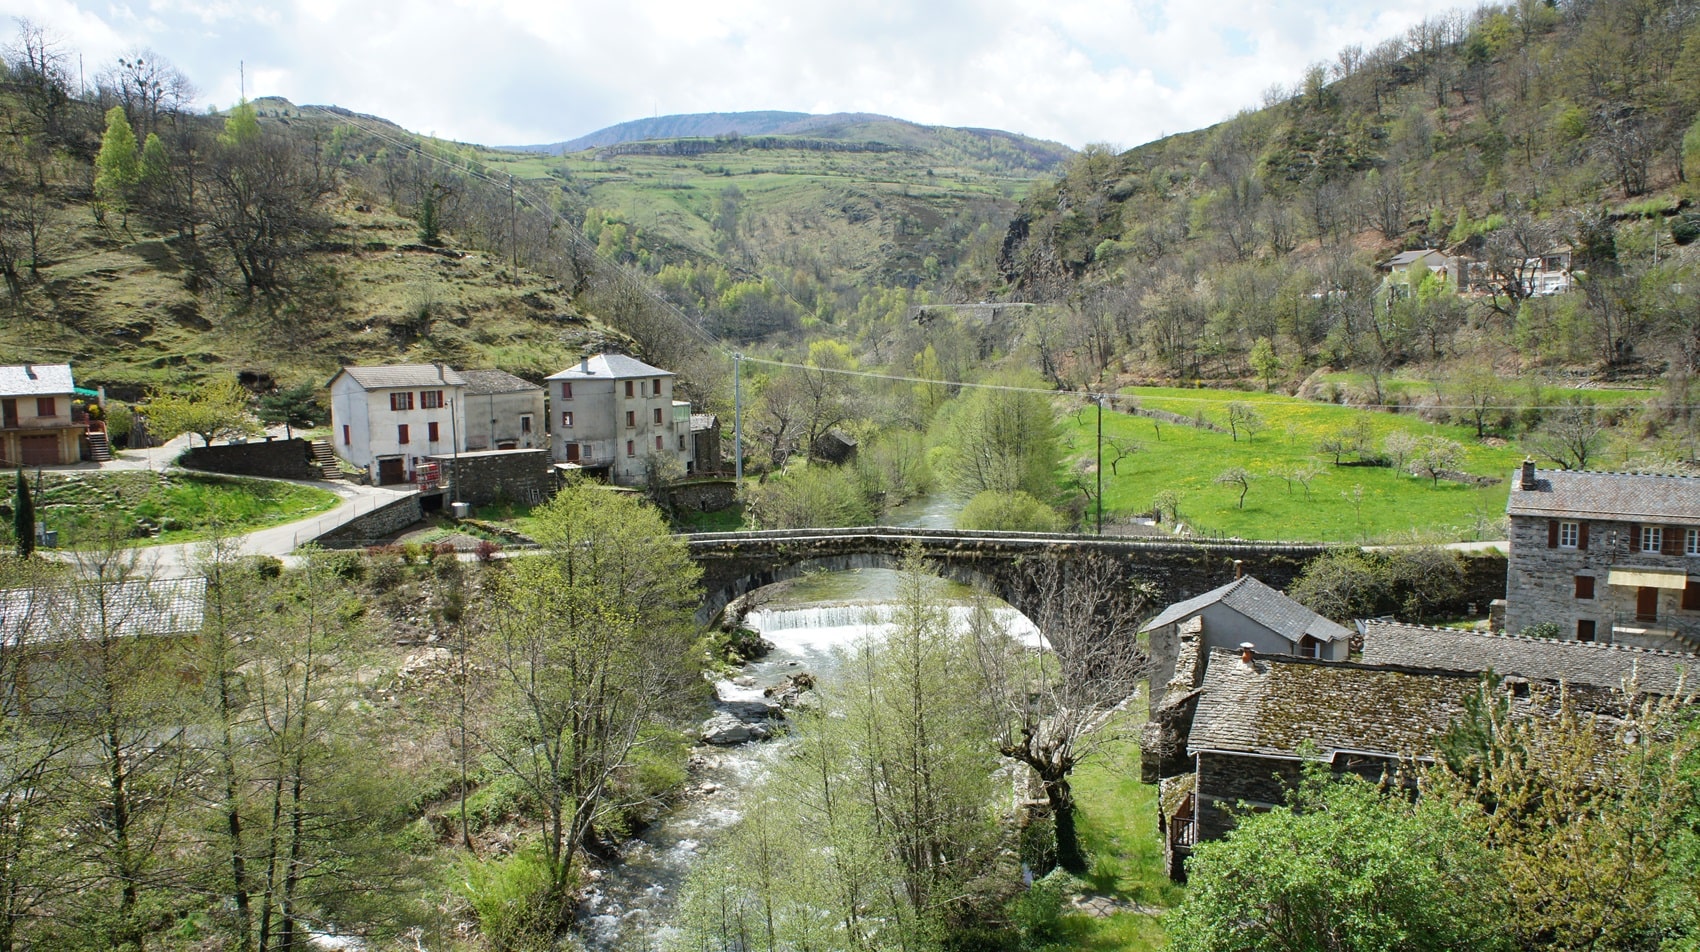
column 1648, row 578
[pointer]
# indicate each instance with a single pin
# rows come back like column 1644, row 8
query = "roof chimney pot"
column 1248, row 652
column 1239, row 568
column 1527, row 480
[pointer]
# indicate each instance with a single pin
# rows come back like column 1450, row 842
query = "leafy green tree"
column 23, row 517
column 213, row 409
column 808, row 497
column 1344, row 867
column 1008, row 512
column 1000, row 440
column 1264, row 361
column 1343, row 584
column 586, row 651
column 117, row 167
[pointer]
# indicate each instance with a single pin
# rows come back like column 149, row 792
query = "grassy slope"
column 169, row 508
column 1186, row 460
column 115, row 305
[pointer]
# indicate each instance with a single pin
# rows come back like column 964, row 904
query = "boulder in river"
column 725, row 730
column 747, row 703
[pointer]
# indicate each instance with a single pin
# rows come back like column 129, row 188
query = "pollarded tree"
column 1057, row 708
column 586, row 648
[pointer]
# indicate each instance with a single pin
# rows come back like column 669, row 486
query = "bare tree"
column 149, row 88
column 1242, row 418
column 1056, row 711
column 1238, row 478
column 1571, row 435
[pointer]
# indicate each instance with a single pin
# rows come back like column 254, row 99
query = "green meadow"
column 1343, row 503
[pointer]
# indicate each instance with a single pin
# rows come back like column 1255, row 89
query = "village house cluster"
column 1248, row 685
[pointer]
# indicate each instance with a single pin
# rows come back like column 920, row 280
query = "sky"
column 510, row 72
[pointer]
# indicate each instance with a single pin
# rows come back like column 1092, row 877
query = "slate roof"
column 610, row 367
column 1618, row 496
column 1411, row 257
column 1261, row 604
column 47, row 380
column 1276, row 704
column 139, row 607
column 404, row 375
column 480, row 382
column 1547, row 659
column 703, row 421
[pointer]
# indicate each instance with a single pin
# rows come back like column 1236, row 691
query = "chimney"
column 1248, row 652
column 29, row 371
column 584, row 364
column 1527, row 479
column 1239, row 568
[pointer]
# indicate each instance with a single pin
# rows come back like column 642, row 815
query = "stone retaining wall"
column 364, row 529
column 491, row 476
column 276, row 459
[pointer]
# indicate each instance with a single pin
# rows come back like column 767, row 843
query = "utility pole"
column 1100, row 402
column 738, row 418
column 513, row 227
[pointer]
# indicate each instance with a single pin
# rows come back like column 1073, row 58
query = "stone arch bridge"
column 1002, row 563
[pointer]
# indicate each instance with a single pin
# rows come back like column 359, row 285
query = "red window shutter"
column 1552, row 533
column 1691, row 596
column 1672, row 542
column 1582, row 537
column 1635, row 538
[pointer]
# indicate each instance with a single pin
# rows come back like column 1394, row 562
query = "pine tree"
column 23, row 518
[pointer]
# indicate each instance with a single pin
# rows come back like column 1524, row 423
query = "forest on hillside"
column 1497, row 134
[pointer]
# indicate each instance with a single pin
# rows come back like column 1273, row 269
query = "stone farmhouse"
column 612, row 414
column 386, row 420
column 1609, row 557
column 38, row 425
column 1244, row 611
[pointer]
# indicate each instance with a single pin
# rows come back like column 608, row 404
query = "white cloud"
column 507, row 71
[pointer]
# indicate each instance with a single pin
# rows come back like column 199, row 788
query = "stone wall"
column 702, row 495
column 277, row 459
column 367, row 528
column 492, row 476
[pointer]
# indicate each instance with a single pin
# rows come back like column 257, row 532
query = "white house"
column 612, row 412
column 37, row 425
column 503, row 412
column 386, row 420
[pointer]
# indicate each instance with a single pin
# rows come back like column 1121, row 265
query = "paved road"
column 177, row 560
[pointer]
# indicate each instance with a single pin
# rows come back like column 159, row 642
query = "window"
column 658, row 386
column 345, row 436
column 643, row 389
column 1691, row 542
column 628, row 390
column 525, row 423
column 1308, row 647
column 657, row 416
column 46, row 406
column 1568, row 535
column 1585, row 629
column 631, row 418
column 401, row 401
column 431, row 435
column 430, row 399
column 659, row 446
column 1584, row 586
column 1652, row 538
column 681, row 442
column 566, row 390
column 401, row 433
column 631, row 448
column 566, row 419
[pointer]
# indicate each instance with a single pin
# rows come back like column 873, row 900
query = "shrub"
column 1039, row 911
column 1008, row 512
column 517, row 906
column 1544, row 629
column 486, row 550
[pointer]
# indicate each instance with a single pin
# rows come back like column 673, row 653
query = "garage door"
column 391, row 471
column 40, row 450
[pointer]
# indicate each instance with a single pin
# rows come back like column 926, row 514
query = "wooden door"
column 572, row 452
column 39, row 450
column 1647, row 604
column 391, row 471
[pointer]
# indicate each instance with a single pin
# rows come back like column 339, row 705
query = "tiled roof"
column 610, row 367
column 495, row 381
column 30, row 380
column 1618, row 496
column 703, row 421
column 1547, row 659
column 405, row 375
column 1261, row 604
column 1277, row 704
column 141, row 607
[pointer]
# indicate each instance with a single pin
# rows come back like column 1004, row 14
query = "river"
column 628, row 908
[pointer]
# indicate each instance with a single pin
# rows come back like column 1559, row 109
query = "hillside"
column 1495, row 136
